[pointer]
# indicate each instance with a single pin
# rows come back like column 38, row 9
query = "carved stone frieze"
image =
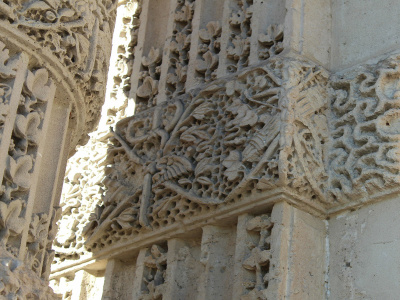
column 364, row 152
column 27, row 99
column 244, row 136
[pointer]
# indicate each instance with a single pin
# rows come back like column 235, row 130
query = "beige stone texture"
column 247, row 149
column 364, row 261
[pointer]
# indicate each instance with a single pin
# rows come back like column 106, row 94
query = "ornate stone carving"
column 82, row 193
column 264, row 130
column 364, row 156
column 258, row 260
column 238, row 50
column 154, row 275
column 208, row 52
column 271, row 42
column 148, row 79
column 77, row 34
column 180, row 46
column 17, row 282
column 53, row 63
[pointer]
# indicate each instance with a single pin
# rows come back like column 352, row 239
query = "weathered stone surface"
column 53, row 68
column 74, row 38
column 248, row 135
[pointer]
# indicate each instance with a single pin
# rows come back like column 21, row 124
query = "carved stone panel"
column 234, row 139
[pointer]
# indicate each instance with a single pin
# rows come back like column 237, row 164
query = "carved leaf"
column 182, row 42
column 194, row 135
column 201, row 111
column 257, row 257
column 233, row 165
column 237, row 18
column 259, row 223
column 240, row 48
column 38, row 5
column 274, row 33
column 7, row 66
column 209, row 62
column 66, row 12
column 126, row 217
column 185, row 14
column 205, row 167
column 28, row 127
column 172, row 167
column 153, row 57
column 213, row 30
column 148, row 88
column 244, row 115
column 39, row 85
column 204, row 180
column 18, row 170
column 10, row 216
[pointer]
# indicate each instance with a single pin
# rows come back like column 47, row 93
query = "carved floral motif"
column 258, row 260
column 208, row 52
column 82, row 193
column 271, row 42
column 238, row 50
column 263, row 130
column 76, row 32
column 154, row 274
column 180, row 46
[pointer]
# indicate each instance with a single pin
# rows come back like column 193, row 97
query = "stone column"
column 53, row 62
